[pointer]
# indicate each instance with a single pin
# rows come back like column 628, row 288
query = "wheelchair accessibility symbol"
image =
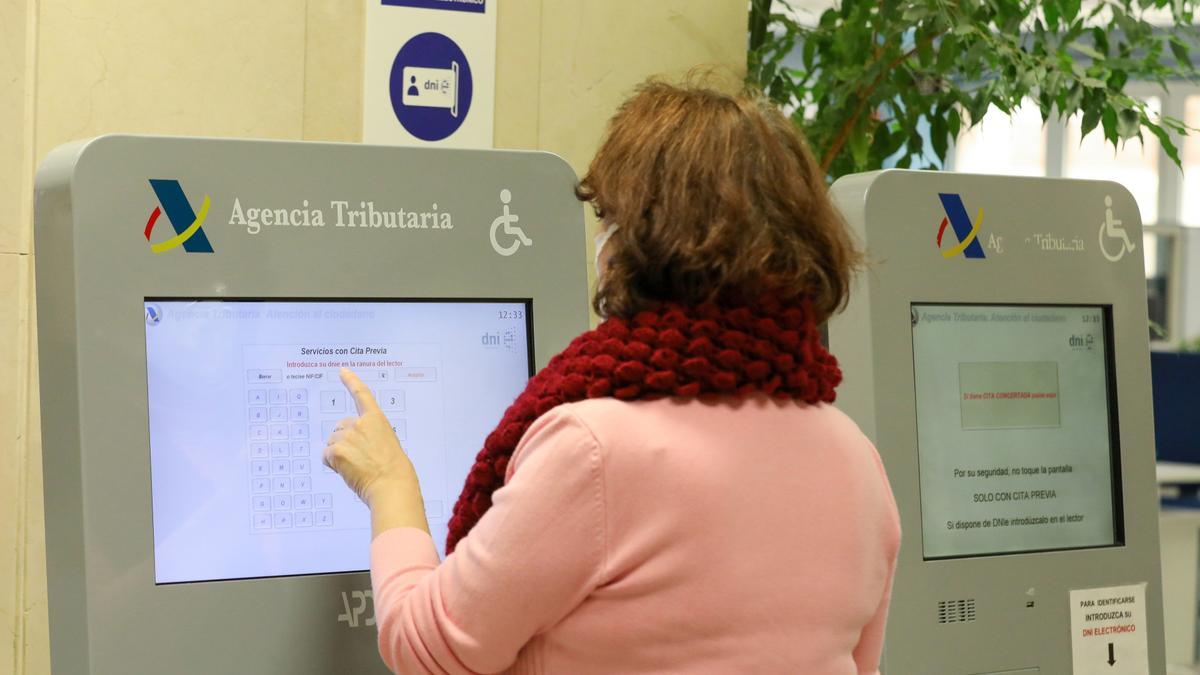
column 1111, row 229
column 513, row 235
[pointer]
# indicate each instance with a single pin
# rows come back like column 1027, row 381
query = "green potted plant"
column 870, row 81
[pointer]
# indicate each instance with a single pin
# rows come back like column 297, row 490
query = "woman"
column 673, row 492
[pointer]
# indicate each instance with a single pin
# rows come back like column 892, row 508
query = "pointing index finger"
column 364, row 400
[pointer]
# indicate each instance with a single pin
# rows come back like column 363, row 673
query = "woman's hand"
column 367, row 454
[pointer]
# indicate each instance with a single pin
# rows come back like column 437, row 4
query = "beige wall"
column 72, row 69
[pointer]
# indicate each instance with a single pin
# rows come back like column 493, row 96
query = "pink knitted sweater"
column 658, row 536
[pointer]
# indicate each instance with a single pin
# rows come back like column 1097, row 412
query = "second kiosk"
column 997, row 353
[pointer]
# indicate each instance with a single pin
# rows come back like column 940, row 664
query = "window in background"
column 1158, row 247
column 1190, row 214
column 1134, row 164
column 1013, row 145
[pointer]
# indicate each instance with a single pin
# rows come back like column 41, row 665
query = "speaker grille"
column 956, row 611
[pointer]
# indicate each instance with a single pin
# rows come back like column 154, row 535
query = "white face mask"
column 602, row 239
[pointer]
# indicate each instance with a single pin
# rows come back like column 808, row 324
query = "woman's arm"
column 535, row 555
column 397, row 503
column 870, row 642
column 367, row 454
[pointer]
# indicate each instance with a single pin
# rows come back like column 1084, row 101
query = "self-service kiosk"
column 996, row 352
column 196, row 299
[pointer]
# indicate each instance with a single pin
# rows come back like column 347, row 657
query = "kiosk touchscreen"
column 996, row 353
column 263, row 375
column 196, row 300
column 1015, row 386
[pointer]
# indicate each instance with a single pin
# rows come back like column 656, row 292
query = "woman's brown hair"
column 718, row 199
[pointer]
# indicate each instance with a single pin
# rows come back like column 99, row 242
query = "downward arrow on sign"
column 1112, row 660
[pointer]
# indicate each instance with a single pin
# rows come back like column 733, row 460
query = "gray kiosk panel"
column 996, row 351
column 196, row 298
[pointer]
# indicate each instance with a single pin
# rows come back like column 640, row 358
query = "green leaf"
column 954, row 122
column 1029, row 79
column 1117, row 80
column 860, row 145
column 1179, row 48
column 1165, row 141
column 1177, row 126
column 1129, row 123
column 1087, row 51
column 809, row 53
column 938, row 133
column 914, row 13
column 1108, row 119
column 916, row 141
column 1100, row 39
column 895, row 141
column 948, row 50
column 925, row 52
column 978, row 105
column 881, row 141
column 1050, row 82
column 768, row 72
column 1053, row 15
column 1091, row 117
column 1073, row 100
column 1092, row 82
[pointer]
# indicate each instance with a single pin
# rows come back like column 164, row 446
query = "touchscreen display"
column 1015, row 429
column 243, row 395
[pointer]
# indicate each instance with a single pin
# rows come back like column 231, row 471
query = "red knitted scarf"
column 770, row 346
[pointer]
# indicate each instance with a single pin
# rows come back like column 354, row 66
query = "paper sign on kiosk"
column 1108, row 631
column 432, row 87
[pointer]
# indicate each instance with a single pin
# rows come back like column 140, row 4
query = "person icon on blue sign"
column 430, row 86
